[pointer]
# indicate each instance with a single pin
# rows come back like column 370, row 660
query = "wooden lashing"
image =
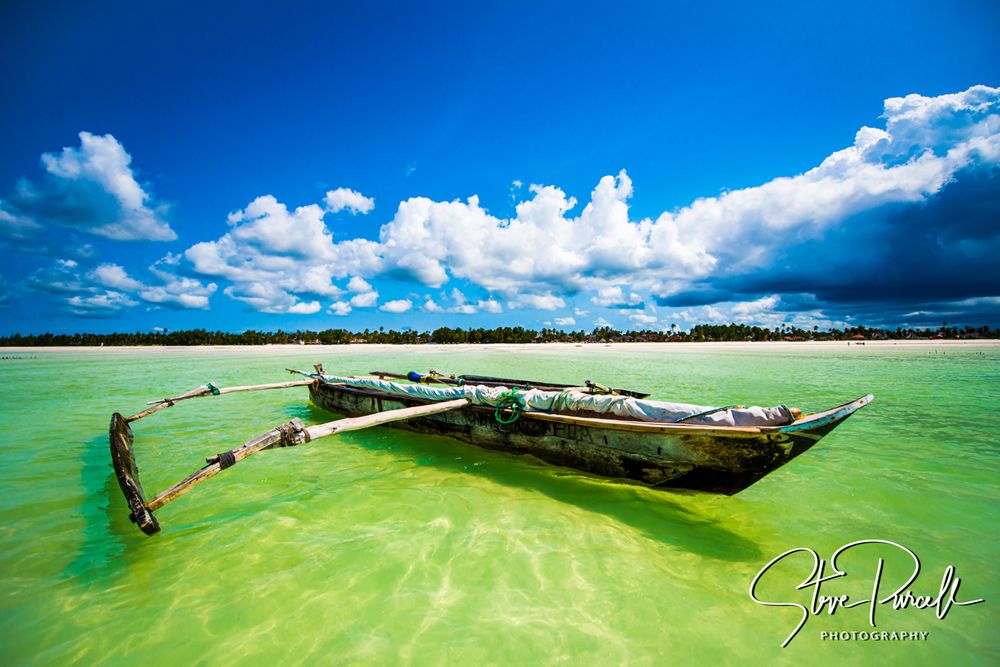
column 127, row 472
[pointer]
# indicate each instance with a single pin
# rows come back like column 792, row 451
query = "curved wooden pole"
column 291, row 433
column 127, row 472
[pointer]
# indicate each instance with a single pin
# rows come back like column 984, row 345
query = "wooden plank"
column 652, row 427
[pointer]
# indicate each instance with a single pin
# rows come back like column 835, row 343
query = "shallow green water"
column 384, row 547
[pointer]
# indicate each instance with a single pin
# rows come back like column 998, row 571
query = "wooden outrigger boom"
column 287, row 435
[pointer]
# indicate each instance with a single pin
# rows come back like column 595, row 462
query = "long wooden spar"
column 211, row 390
column 286, row 435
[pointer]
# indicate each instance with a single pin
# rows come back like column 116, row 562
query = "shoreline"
column 684, row 345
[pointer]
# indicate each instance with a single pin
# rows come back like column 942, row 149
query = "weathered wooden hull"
column 714, row 459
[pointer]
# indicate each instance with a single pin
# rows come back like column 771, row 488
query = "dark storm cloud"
column 902, row 263
column 697, row 297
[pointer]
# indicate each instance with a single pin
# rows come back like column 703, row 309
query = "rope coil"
column 508, row 401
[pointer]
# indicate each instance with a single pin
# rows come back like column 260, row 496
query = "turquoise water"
column 384, row 547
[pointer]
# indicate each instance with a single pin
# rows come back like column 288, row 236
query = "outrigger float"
column 611, row 432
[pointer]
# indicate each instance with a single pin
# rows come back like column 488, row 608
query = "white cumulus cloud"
column 176, row 291
column 461, row 305
column 108, row 288
column 925, row 143
column 614, row 296
column 114, row 276
column 91, row 188
column 365, row 299
column 643, row 319
column 489, row 306
column 546, row 301
column 750, row 311
column 102, row 304
column 397, row 306
column 359, row 285
column 345, row 198
column 340, row 308
column 544, row 253
column 552, row 250
column 279, row 260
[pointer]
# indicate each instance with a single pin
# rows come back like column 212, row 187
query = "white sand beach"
column 964, row 343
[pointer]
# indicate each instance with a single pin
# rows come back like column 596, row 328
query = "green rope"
column 508, row 401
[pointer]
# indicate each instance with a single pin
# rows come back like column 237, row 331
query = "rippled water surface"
column 386, row 547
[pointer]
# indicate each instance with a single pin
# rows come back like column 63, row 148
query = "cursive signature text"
column 901, row 597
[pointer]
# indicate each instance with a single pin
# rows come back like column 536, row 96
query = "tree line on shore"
column 447, row 335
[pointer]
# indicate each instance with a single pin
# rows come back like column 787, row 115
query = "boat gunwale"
column 812, row 421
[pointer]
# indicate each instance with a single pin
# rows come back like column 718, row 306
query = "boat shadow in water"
column 112, row 542
column 657, row 515
column 109, row 538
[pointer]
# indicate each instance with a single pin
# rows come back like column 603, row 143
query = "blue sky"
column 249, row 165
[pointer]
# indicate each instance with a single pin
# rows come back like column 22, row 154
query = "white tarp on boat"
column 536, row 400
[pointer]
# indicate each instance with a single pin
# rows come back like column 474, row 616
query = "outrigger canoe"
column 614, row 433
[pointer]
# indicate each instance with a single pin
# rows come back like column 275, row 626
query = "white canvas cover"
column 536, row 400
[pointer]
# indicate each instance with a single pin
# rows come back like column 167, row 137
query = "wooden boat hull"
column 714, row 459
